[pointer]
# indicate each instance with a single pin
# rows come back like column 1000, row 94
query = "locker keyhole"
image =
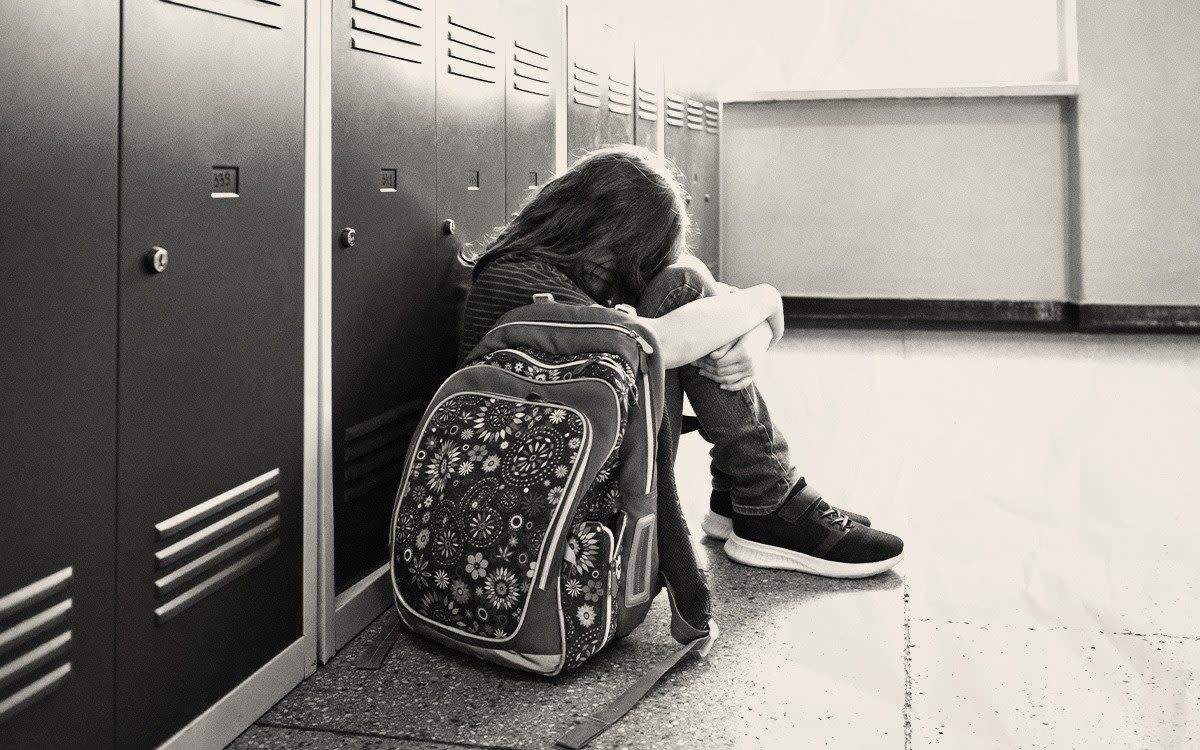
column 533, row 180
column 473, row 179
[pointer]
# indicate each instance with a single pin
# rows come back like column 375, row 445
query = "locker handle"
column 156, row 259
column 448, row 227
column 347, row 237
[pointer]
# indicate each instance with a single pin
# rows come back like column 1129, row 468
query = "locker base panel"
column 358, row 606
column 230, row 716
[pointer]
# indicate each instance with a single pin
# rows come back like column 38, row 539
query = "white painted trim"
column 232, row 714
column 311, row 531
column 358, row 606
column 1068, row 41
column 325, row 582
column 1038, row 88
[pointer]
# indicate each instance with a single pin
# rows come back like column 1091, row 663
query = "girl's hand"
column 733, row 365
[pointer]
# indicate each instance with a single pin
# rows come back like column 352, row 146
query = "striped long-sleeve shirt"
column 506, row 284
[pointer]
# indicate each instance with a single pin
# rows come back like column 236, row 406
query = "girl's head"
column 610, row 223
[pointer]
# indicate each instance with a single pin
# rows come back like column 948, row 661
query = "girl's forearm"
column 697, row 328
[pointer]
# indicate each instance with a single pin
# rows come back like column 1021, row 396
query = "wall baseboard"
column 830, row 312
column 1140, row 318
column 989, row 315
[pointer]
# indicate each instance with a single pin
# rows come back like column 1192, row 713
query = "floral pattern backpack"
column 526, row 526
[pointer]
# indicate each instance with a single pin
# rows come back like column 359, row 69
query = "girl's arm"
column 689, row 332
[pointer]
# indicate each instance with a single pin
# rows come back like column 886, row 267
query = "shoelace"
column 837, row 517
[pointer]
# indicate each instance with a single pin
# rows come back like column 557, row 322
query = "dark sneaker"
column 809, row 535
column 718, row 522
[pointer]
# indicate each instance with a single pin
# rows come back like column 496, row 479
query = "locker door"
column 677, row 148
column 211, row 345
column 586, row 78
column 648, row 82
column 58, row 322
column 617, row 122
column 531, row 61
column 697, row 185
column 390, row 345
column 470, row 137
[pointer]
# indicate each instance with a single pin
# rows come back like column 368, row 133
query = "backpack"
column 526, row 525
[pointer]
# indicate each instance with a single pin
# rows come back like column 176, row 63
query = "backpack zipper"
column 642, row 342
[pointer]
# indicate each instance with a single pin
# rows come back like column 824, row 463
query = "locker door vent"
column 531, row 70
column 35, row 638
column 268, row 13
column 213, row 543
column 712, row 118
column 375, row 450
column 387, row 27
column 471, row 52
column 647, row 104
column 675, row 112
column 585, row 86
column 620, row 96
column 695, row 115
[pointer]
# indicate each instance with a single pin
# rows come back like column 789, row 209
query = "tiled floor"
column 1047, row 488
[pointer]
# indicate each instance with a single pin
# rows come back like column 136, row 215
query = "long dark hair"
column 610, row 223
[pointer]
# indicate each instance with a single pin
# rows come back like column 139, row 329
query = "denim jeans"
column 749, row 454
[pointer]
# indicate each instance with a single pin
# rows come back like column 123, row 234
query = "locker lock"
column 448, row 227
column 687, row 200
column 707, row 197
column 347, row 237
column 156, row 259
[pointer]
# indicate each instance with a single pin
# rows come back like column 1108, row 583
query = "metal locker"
column 586, row 80
column 470, row 139
column 677, row 147
column 210, row 353
column 708, row 157
column 58, row 322
column 648, row 84
column 390, row 343
column 531, row 63
column 617, row 116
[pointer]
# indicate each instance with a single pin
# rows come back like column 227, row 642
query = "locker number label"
column 224, row 182
column 387, row 181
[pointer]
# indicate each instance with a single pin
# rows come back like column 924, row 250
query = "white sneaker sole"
column 717, row 526
column 761, row 555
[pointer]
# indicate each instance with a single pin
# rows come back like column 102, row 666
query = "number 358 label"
column 224, row 182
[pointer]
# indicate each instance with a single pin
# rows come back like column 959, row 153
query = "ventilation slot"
column 387, row 27
column 531, row 70
column 712, row 118
column 375, row 450
column 647, row 104
column 585, row 85
column 620, row 97
column 695, row 115
column 675, row 112
column 268, row 13
column 470, row 53
column 35, row 638
column 213, row 543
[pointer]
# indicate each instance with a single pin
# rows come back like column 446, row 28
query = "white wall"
column 803, row 44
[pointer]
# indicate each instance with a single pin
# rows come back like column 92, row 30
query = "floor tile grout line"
column 1058, row 628
column 381, row 735
column 907, row 712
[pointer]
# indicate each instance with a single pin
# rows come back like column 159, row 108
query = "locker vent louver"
column 620, row 96
column 375, row 450
column 34, row 640
column 712, row 118
column 676, row 114
column 268, row 13
column 470, row 53
column 585, row 86
column 531, row 70
column 695, row 114
column 387, row 27
column 211, row 544
column 647, row 104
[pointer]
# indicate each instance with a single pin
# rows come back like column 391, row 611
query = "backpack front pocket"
column 589, row 583
column 488, row 483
